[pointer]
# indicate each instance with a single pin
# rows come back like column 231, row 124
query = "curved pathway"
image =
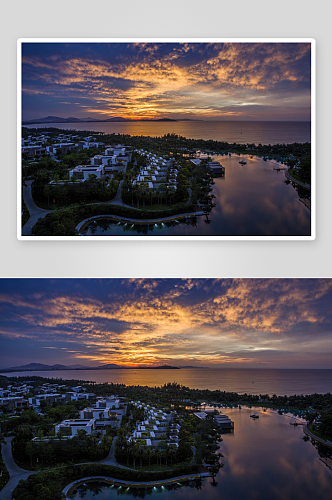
column 289, row 177
column 117, row 199
column 138, row 221
column 110, row 459
column 134, row 484
column 38, row 213
column 320, row 440
column 15, row 472
column 35, row 211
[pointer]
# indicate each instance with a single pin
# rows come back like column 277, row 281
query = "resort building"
column 216, row 168
column 14, row 402
column 77, row 396
column 110, row 403
column 158, row 426
column 83, row 172
column 70, row 427
column 35, row 151
column 223, row 422
column 220, row 420
column 47, row 398
column 201, row 415
column 99, row 413
column 158, row 171
column 63, row 147
column 114, row 158
column 89, row 145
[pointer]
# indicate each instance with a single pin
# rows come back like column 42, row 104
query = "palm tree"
column 172, row 453
column 47, row 192
column 143, row 193
column 214, row 469
column 135, row 453
column 29, row 450
column 140, row 451
column 167, row 453
column 149, row 453
column 152, row 194
column 137, row 190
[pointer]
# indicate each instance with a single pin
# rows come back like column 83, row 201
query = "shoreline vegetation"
column 182, row 395
column 55, row 481
column 58, row 463
column 72, row 202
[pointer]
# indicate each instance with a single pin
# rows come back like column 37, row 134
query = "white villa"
column 154, row 428
column 111, row 403
column 70, row 427
column 86, row 170
column 156, row 171
column 114, row 159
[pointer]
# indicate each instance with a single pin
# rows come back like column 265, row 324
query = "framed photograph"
column 210, row 139
column 166, row 388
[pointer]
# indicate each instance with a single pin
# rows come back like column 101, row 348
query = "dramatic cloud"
column 251, row 322
column 202, row 80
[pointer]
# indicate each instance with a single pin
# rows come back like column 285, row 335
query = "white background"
column 160, row 18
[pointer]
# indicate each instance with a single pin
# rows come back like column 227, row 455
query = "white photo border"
column 312, row 42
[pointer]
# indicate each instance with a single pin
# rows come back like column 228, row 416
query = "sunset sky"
column 208, row 81
column 270, row 323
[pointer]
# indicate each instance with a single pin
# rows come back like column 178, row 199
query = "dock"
column 216, row 168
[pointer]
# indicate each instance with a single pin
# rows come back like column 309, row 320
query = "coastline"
column 305, row 186
column 306, row 431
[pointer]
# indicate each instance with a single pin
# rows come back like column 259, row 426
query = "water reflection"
column 263, row 459
column 106, row 226
column 102, row 491
column 240, row 380
column 251, row 200
column 239, row 132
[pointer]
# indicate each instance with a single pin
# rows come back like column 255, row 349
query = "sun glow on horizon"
column 174, row 322
column 152, row 80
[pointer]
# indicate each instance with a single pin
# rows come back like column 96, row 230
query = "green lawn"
column 312, row 428
column 155, row 207
column 294, row 174
column 149, row 468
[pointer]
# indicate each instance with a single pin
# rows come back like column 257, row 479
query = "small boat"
column 243, row 162
column 254, row 415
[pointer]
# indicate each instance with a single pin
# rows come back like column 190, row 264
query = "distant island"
column 110, row 366
column 71, row 119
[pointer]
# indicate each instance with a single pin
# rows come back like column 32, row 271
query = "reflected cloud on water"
column 251, row 200
column 263, row 458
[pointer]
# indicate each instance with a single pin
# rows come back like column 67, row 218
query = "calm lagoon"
column 264, row 459
column 251, row 200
